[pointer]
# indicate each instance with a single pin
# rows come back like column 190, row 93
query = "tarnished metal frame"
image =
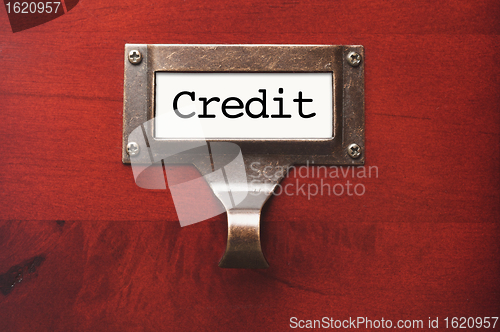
column 243, row 248
column 348, row 92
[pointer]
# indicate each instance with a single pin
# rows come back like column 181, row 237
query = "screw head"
column 135, row 57
column 354, row 151
column 354, row 59
column 133, row 149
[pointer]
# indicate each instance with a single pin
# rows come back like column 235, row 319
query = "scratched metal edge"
column 354, row 103
column 348, row 100
column 135, row 96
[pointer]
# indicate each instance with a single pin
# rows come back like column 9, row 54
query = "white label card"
column 243, row 105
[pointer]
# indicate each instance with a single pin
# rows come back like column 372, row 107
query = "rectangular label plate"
column 243, row 105
column 321, row 72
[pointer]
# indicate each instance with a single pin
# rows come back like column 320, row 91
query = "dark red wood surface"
column 88, row 250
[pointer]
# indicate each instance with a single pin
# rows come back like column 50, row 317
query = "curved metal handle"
column 243, row 194
column 243, row 248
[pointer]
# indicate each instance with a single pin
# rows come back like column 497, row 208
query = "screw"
column 354, row 59
column 354, row 151
column 135, row 57
column 133, row 149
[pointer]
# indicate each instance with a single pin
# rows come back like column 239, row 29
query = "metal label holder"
column 346, row 147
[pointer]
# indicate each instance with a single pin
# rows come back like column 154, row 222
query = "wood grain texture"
column 421, row 242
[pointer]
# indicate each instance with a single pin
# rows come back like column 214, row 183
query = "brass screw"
column 135, row 57
column 354, row 59
column 354, row 151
